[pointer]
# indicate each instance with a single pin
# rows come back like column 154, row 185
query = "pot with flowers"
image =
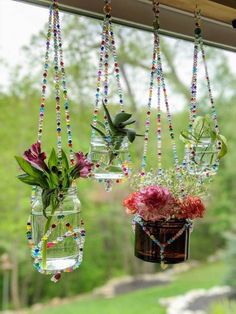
column 163, row 207
column 55, row 230
column 110, row 146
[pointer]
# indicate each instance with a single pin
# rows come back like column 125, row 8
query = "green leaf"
column 27, row 168
column 184, row 137
column 224, row 146
column 121, row 117
column 101, row 124
column 65, row 162
column 99, row 131
column 52, row 161
column 109, row 119
column 131, row 134
column 25, row 178
column 123, row 124
column 46, row 197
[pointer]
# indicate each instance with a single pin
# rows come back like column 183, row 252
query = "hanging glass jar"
column 110, row 157
column 203, row 158
column 205, row 144
column 57, row 234
column 162, row 241
column 109, row 153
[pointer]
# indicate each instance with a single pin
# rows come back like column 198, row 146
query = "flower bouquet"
column 54, row 230
column 164, row 207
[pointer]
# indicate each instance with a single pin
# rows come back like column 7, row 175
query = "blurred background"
column 128, row 284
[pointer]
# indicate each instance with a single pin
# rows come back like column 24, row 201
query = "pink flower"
column 82, row 167
column 35, row 157
column 131, row 203
column 154, row 198
column 151, row 203
column 191, row 207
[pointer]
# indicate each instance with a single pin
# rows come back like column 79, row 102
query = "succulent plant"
column 116, row 131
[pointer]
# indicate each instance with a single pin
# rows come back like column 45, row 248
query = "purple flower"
column 82, row 167
column 35, row 157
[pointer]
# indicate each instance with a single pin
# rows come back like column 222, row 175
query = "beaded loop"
column 54, row 30
column 199, row 48
column 54, row 38
column 77, row 233
column 107, row 48
column 157, row 71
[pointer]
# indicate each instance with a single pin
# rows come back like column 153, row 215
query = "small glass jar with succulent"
column 204, row 147
column 110, row 145
column 55, row 230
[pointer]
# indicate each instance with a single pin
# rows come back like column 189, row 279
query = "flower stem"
column 45, row 241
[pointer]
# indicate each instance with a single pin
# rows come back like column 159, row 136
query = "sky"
column 18, row 22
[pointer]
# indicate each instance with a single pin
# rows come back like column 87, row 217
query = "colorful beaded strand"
column 99, row 79
column 107, row 45
column 43, row 90
column 64, row 87
column 45, row 74
column 57, row 86
column 157, row 69
column 199, row 46
column 77, row 233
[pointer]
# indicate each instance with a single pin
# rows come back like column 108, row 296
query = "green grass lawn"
column 145, row 301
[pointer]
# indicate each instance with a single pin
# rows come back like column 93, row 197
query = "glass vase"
column 110, row 157
column 57, row 238
column 147, row 250
column 203, row 158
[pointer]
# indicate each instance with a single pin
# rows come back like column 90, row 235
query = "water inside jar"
column 64, row 254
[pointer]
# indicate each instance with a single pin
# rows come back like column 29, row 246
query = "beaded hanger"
column 61, row 95
column 107, row 46
column 193, row 105
column 107, row 49
column 157, row 73
column 59, row 77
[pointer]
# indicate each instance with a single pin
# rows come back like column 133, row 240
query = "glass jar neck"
column 72, row 190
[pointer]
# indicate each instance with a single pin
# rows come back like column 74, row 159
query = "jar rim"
column 71, row 189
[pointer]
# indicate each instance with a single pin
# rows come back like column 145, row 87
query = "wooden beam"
column 176, row 17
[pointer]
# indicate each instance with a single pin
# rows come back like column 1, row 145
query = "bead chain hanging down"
column 107, row 46
column 158, row 71
column 199, row 47
column 162, row 246
column 78, row 232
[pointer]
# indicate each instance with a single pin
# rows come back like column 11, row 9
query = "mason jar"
column 203, row 158
column 147, row 250
column 110, row 157
column 57, row 238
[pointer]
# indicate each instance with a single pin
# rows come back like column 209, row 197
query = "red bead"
column 53, row 226
column 57, row 276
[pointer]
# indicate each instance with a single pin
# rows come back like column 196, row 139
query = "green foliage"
column 223, row 307
column 203, row 128
column 116, row 128
column 203, row 277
